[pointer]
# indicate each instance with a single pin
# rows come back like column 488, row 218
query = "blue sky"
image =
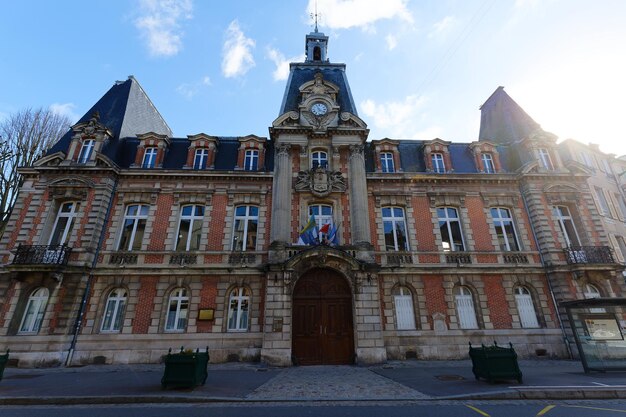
column 417, row 69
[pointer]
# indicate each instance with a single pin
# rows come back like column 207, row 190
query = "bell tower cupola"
column 316, row 47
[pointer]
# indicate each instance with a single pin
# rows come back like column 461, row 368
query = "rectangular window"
column 245, row 228
column 438, row 164
column 323, row 215
column 319, row 159
column 450, row 229
column 488, row 165
column 190, row 228
column 587, row 160
column 621, row 204
column 85, row 151
column 386, row 162
column 200, row 159
column 64, row 223
column 607, row 167
column 394, row 227
column 505, row 230
column 546, row 161
column 604, row 205
column 566, row 225
column 149, row 158
column 252, row 160
column 133, row 228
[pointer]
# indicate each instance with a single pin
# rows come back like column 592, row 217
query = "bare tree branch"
column 24, row 137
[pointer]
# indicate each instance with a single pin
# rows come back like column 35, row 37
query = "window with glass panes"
column 323, row 214
column 386, row 162
column 245, row 228
column 394, row 226
column 178, row 310
column 34, row 312
column 251, row 161
column 319, row 159
column 190, row 228
column 488, row 166
column 566, row 225
column 546, row 161
column 200, row 158
column 450, row 229
column 149, row 158
column 505, row 229
column 85, row 151
column 238, row 309
column 465, row 308
column 134, row 227
column 114, row 311
column 64, row 223
column 438, row 164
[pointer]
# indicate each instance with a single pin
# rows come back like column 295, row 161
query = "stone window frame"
column 87, row 145
column 512, row 217
column 103, row 307
column 396, row 200
column 479, row 311
column 28, row 300
column 438, row 146
column 320, row 151
column 562, row 234
column 407, row 246
column 481, row 148
column 73, row 216
column 229, row 293
column 120, row 233
column 251, row 143
column 386, row 146
column 201, row 142
column 541, row 301
column 236, row 199
column 147, row 141
column 532, row 292
column 203, row 155
column 414, row 306
column 126, row 197
column 387, row 163
column 193, row 218
column 166, row 308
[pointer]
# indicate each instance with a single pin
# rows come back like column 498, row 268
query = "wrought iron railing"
column 589, row 255
column 42, row 255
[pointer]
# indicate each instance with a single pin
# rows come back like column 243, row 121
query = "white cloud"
column 398, row 119
column 159, row 24
column 65, row 109
column 282, row 64
column 237, row 51
column 189, row 90
column 345, row 14
column 442, row 27
column 392, row 42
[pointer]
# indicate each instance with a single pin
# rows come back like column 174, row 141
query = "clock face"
column 319, row 109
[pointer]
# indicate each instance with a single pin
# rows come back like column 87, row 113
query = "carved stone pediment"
column 320, row 181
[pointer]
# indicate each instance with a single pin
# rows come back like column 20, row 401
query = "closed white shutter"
column 465, row 310
column 527, row 315
column 404, row 312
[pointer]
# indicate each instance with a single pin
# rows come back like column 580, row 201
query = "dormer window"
column 319, row 159
column 439, row 165
column 149, row 158
column 86, row 150
column 251, row 161
column 200, row 159
column 488, row 166
column 544, row 158
column 386, row 162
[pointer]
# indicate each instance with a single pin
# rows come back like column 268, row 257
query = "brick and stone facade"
column 205, row 246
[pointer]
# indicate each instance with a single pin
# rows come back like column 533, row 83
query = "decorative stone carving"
column 439, row 322
column 356, row 151
column 283, row 149
column 320, row 182
column 318, row 122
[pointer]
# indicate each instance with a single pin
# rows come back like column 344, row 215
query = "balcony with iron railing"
column 589, row 255
column 42, row 255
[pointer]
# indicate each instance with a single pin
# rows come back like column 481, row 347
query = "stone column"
column 281, row 195
column 358, row 197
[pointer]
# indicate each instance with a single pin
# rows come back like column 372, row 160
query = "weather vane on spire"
column 316, row 16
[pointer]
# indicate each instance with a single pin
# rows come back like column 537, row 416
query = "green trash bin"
column 3, row 362
column 495, row 362
column 186, row 369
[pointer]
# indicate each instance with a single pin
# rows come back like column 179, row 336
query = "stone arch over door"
column 322, row 319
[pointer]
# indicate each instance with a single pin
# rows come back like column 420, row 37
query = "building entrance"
column 322, row 319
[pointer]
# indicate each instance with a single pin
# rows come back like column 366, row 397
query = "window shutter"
column 467, row 314
column 616, row 249
column 527, row 315
column 404, row 312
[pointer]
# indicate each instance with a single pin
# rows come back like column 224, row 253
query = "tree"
column 24, row 137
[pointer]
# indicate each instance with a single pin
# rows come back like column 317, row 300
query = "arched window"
column 246, row 223
column 238, row 309
column 465, row 308
column 319, row 159
column 177, row 311
column 114, row 311
column 34, row 312
column 394, row 227
column 526, row 308
column 405, row 318
column 190, row 228
column 591, row 291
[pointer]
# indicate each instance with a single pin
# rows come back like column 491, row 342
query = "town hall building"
column 313, row 245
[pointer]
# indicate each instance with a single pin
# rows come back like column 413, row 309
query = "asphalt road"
column 470, row 409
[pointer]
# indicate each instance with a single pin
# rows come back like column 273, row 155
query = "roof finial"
column 316, row 16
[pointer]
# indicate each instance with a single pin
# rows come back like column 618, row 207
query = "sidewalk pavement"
column 244, row 382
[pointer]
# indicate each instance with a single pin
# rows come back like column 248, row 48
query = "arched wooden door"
column 322, row 329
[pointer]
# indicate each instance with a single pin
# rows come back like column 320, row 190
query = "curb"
column 519, row 394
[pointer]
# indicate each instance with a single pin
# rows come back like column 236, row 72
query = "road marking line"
column 545, row 410
column 602, row 385
column 481, row 412
column 595, row 408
